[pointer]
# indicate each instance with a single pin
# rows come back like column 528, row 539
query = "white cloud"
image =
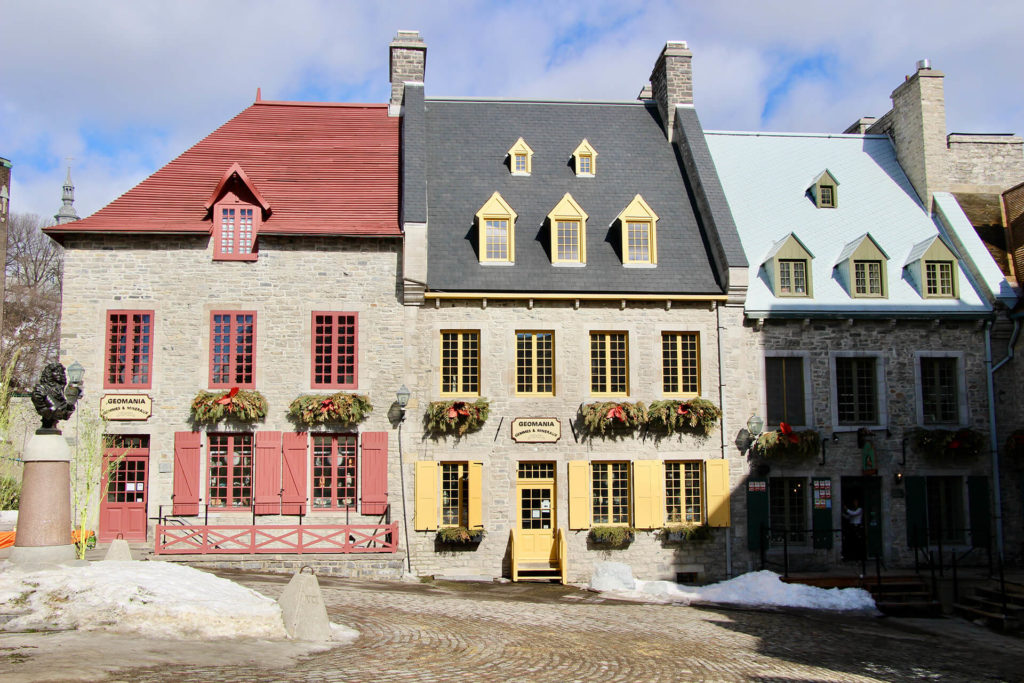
column 124, row 87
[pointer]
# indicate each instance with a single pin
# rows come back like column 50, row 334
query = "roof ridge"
column 296, row 103
column 787, row 134
column 528, row 100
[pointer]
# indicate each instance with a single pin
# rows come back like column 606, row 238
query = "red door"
column 125, row 483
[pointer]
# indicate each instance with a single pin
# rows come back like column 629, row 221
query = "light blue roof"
column 765, row 180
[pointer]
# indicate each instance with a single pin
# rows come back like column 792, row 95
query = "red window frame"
column 239, row 244
column 232, row 351
column 335, row 463
column 227, row 482
column 334, row 350
column 128, row 350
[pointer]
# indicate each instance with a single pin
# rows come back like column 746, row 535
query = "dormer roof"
column 781, row 243
column 235, row 171
column 851, row 247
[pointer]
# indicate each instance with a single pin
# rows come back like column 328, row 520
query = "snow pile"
column 756, row 589
column 612, row 576
column 155, row 599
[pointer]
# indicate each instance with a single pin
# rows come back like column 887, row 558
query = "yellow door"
column 535, row 501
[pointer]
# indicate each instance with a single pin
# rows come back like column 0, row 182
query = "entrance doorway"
column 536, row 519
column 863, row 540
column 124, row 486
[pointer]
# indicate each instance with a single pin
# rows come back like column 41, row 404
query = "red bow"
column 326, row 405
column 955, row 443
column 788, row 432
column 681, row 410
column 226, row 398
column 458, row 409
column 616, row 413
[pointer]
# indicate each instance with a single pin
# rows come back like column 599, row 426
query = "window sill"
column 568, row 264
column 639, row 265
column 854, row 428
column 242, row 257
column 497, row 263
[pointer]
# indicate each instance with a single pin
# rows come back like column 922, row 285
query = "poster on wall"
column 822, row 493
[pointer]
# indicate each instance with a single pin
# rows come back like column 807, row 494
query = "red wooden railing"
column 206, row 539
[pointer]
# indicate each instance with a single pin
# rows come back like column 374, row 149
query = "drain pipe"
column 997, row 499
column 405, row 509
column 721, row 404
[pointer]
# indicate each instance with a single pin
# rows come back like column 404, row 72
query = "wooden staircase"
column 553, row 570
column 895, row 596
column 985, row 606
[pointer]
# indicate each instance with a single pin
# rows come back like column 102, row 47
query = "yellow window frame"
column 585, row 154
column 680, row 363
column 611, row 472
column 568, row 211
column 529, row 367
column 639, row 214
column 496, row 209
column 601, row 342
column 682, row 493
column 520, row 150
column 455, row 364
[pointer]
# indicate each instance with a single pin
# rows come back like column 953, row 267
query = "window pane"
column 534, row 362
column 784, row 390
column 680, row 363
column 496, row 238
column 638, row 242
column 568, row 242
column 787, row 502
column 454, row 494
column 939, row 391
column 856, row 391
column 460, row 362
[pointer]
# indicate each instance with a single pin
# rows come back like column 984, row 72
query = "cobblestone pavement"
column 520, row 632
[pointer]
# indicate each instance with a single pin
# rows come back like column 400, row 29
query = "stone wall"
column 408, row 62
column 986, row 160
column 672, row 82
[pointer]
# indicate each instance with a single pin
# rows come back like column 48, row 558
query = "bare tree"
column 31, row 321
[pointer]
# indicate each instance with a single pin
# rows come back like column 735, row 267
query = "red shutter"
column 267, row 473
column 294, row 481
column 375, row 473
column 186, row 473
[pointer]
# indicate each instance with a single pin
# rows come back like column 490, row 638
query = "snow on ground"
column 755, row 589
column 155, row 599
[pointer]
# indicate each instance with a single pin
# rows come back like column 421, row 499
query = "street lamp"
column 76, row 375
column 403, row 395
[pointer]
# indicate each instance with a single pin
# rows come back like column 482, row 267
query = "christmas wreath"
column 343, row 408
column 784, row 441
column 610, row 416
column 965, row 442
column 244, row 406
column 456, row 417
column 697, row 416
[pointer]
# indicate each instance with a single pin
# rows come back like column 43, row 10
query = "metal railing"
column 775, row 536
column 932, row 545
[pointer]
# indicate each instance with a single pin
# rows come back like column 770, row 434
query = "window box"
column 242, row 406
column 606, row 418
column 456, row 417
column 786, row 442
column 612, row 536
column 685, row 531
column 459, row 536
column 697, row 416
column 960, row 443
column 340, row 408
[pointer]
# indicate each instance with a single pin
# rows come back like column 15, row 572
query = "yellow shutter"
column 579, row 494
column 716, row 482
column 476, row 497
column 647, row 492
column 426, row 495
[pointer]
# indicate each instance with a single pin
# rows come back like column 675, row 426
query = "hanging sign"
column 126, row 407
column 536, row 430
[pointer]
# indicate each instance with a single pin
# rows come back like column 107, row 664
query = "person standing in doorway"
column 853, row 515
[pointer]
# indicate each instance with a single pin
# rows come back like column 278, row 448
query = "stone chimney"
column 672, row 81
column 408, row 64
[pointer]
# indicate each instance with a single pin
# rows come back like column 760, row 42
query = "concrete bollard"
column 303, row 609
column 118, row 551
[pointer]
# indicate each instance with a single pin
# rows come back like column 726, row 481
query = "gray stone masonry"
column 407, row 62
column 981, row 162
column 672, row 81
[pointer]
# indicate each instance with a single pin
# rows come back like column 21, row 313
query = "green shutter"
column 821, row 517
column 979, row 510
column 757, row 513
column 917, row 511
column 872, row 506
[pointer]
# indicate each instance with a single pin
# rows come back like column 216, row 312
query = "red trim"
column 375, row 472
column 234, row 369
column 229, row 478
column 221, row 539
column 185, row 497
column 327, row 485
column 244, row 224
column 135, row 357
column 338, row 355
column 235, row 168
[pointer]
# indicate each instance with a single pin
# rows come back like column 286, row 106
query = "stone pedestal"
column 44, row 515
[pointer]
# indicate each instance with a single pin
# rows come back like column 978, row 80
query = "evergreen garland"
column 697, row 416
column 686, row 531
column 779, row 443
column 615, row 536
column 459, row 534
column 244, row 406
column 961, row 442
column 609, row 416
column 342, row 408
column 456, row 417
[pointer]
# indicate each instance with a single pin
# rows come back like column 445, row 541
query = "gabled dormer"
column 568, row 223
column 496, row 231
column 520, row 158
column 933, row 269
column 788, row 265
column 238, row 209
column 585, row 160
column 639, row 225
column 825, row 190
column 862, row 268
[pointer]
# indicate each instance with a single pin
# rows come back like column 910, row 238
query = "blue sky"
column 124, row 87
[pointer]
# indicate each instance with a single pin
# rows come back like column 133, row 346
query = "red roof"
column 323, row 169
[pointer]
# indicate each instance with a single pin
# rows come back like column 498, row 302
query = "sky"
column 122, row 87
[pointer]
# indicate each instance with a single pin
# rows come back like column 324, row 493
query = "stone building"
column 5, row 199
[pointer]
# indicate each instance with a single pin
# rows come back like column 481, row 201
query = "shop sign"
column 536, row 430
column 126, row 407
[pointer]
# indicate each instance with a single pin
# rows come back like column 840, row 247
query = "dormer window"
column 568, row 224
column 520, row 158
column 788, row 265
column 496, row 231
column 933, row 269
column 639, row 234
column 237, row 209
column 862, row 268
column 824, row 190
column 586, row 160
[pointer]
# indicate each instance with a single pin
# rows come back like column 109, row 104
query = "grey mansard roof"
column 466, row 145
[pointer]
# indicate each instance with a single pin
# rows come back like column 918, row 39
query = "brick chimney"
column 408, row 64
column 672, row 81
